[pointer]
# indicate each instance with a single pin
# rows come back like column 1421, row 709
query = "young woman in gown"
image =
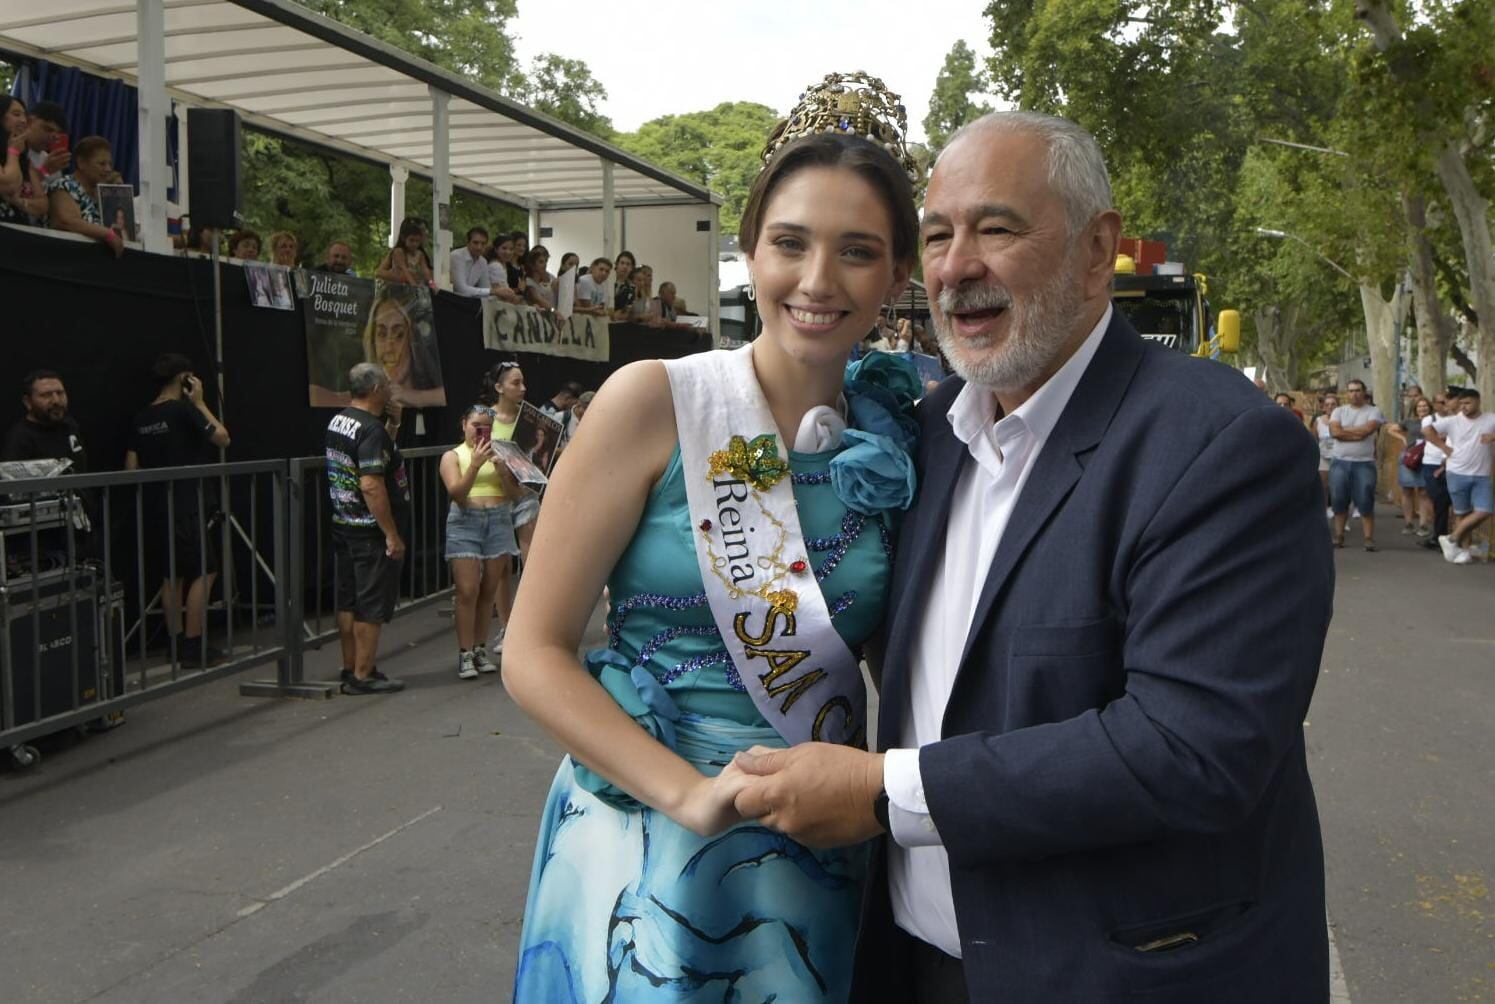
column 647, row 885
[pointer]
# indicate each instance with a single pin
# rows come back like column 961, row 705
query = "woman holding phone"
column 479, row 535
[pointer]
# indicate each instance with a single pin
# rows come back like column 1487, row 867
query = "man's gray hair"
column 365, row 378
column 1077, row 169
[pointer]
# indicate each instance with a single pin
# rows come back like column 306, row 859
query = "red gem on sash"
column 706, row 526
column 798, row 567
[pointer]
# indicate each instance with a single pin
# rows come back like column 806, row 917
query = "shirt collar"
column 975, row 408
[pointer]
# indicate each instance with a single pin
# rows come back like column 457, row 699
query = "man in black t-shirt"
column 178, row 430
column 370, row 497
column 46, row 433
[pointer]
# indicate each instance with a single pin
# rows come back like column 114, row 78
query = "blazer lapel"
column 921, row 547
column 1080, row 427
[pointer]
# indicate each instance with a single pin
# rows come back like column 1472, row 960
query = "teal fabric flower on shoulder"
column 875, row 472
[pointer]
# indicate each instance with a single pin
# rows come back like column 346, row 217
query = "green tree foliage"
column 468, row 37
column 564, row 89
column 721, row 148
column 951, row 105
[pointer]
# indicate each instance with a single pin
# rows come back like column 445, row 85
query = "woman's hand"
column 708, row 808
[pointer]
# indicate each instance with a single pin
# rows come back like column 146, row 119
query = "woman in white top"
column 539, row 284
column 1326, row 440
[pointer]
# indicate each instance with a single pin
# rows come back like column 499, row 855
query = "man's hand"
column 58, row 161
column 194, row 390
column 394, row 410
column 394, row 546
column 818, row 793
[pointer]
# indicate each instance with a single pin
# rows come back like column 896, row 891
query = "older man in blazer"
column 1106, row 620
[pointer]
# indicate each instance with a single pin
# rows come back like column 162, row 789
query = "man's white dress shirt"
column 1004, row 452
column 470, row 275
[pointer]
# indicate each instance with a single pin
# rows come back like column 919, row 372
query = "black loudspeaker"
column 213, row 167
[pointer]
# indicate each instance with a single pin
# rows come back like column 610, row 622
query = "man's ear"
column 1102, row 242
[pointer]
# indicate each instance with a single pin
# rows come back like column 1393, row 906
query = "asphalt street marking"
column 1339, row 990
column 279, row 894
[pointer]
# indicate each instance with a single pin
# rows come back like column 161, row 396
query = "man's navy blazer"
column 1122, row 766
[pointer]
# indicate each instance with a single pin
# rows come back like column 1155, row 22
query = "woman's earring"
column 752, row 289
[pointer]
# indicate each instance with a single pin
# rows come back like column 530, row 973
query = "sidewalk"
column 219, row 848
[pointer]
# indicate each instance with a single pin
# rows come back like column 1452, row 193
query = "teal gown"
column 624, row 904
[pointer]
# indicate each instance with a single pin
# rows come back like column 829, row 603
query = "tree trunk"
column 1277, row 344
column 1469, row 208
column 1473, row 213
column 1434, row 326
column 1381, row 317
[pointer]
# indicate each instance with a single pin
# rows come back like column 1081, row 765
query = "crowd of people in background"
column 1444, row 448
column 36, row 189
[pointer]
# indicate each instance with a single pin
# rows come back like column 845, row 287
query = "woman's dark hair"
column 408, row 226
column 869, row 161
column 487, row 395
column 6, row 100
column 632, row 261
column 534, row 254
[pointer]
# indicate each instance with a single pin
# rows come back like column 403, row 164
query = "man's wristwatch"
column 880, row 810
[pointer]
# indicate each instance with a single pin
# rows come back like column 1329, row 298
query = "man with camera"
column 179, row 430
column 370, row 497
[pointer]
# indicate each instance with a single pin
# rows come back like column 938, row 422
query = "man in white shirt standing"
column 1352, row 472
column 469, row 268
column 1468, row 439
column 1094, row 677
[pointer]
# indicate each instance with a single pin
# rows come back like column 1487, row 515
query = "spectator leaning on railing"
column 46, row 145
column 244, row 245
column 539, row 284
column 623, row 288
column 591, row 289
column 407, row 262
column 471, row 274
column 339, row 259
column 22, row 198
column 285, row 249
column 73, row 199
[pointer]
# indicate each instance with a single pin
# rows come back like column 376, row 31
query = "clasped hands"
column 819, row 794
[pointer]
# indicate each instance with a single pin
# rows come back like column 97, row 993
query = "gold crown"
column 855, row 104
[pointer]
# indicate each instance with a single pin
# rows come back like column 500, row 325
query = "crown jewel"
column 856, row 104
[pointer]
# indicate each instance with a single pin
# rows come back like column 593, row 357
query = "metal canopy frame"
column 290, row 71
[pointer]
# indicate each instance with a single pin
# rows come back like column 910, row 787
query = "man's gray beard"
column 1037, row 331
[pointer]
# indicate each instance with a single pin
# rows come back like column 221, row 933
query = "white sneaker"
column 1463, row 557
column 481, row 661
column 1450, row 549
column 466, row 668
column 497, row 645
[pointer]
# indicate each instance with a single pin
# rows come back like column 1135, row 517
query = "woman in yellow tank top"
column 479, row 535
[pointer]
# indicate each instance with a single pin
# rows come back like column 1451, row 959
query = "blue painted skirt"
column 627, row 906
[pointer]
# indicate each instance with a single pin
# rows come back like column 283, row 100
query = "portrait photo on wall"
column 257, row 278
column 537, row 435
column 351, row 320
column 117, row 207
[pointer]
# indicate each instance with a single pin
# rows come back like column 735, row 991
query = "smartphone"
column 483, row 434
column 59, row 143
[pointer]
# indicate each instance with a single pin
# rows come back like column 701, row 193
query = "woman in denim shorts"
column 479, row 535
column 503, row 390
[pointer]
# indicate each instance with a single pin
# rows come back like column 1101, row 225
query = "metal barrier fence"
column 90, row 626
column 427, row 577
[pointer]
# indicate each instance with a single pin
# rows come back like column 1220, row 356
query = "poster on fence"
column 509, row 327
column 351, row 320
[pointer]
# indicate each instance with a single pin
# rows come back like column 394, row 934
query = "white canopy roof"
column 290, row 71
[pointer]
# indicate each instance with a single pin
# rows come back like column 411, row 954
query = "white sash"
column 751, row 550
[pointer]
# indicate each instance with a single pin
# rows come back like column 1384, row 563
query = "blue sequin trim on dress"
column 620, row 613
column 817, row 478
